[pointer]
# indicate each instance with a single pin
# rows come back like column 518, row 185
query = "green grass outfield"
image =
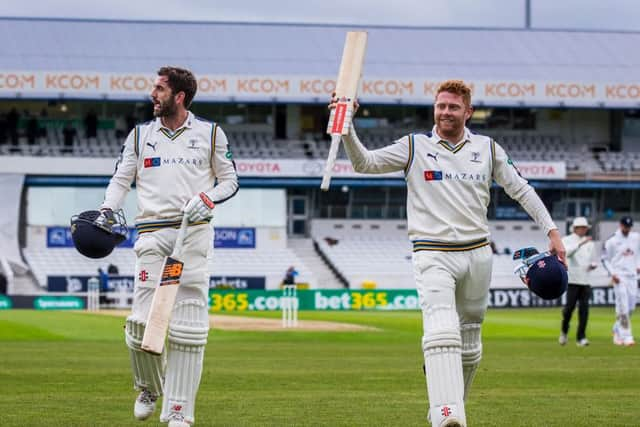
column 72, row 369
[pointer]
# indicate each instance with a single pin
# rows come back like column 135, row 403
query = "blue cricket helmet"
column 543, row 273
column 95, row 234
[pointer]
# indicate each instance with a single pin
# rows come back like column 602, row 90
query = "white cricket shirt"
column 171, row 167
column 621, row 254
column 579, row 258
column 448, row 187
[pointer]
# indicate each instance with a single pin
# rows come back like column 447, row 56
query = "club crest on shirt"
column 193, row 144
column 475, row 157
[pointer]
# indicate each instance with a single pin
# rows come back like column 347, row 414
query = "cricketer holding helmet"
column 449, row 172
column 176, row 161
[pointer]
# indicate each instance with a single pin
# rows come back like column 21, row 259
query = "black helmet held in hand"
column 543, row 273
column 96, row 233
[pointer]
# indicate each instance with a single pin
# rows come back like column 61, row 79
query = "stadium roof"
column 396, row 56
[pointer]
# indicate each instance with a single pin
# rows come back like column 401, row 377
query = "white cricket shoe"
column 583, row 342
column 451, row 422
column 145, row 405
column 629, row 341
column 617, row 339
column 177, row 420
column 562, row 339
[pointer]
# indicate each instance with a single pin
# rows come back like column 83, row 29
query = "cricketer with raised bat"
column 182, row 166
column 449, row 172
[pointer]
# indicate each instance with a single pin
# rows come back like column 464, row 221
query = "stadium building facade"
column 564, row 104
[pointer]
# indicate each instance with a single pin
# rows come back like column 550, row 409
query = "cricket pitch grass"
column 72, row 369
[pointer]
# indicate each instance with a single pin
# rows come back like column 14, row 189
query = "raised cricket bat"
column 347, row 84
column 164, row 297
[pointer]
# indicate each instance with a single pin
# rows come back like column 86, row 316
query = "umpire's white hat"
column 580, row 221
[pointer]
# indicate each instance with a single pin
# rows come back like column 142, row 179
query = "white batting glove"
column 199, row 208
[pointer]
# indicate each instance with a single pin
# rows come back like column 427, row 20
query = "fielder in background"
column 621, row 257
column 176, row 160
column 449, row 172
column 580, row 263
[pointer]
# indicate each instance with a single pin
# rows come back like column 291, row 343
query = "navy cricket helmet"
column 95, row 234
column 543, row 273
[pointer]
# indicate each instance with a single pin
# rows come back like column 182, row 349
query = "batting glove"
column 106, row 219
column 199, row 208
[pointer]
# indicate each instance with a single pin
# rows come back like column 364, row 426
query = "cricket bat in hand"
column 347, row 84
column 164, row 297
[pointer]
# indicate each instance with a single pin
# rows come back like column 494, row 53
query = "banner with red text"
column 267, row 168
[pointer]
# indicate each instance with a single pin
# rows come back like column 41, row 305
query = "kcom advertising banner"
column 389, row 88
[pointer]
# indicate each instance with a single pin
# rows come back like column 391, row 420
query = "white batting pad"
column 471, row 353
column 188, row 333
column 441, row 344
column 148, row 369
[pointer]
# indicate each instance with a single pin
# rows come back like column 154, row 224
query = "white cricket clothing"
column 620, row 257
column 187, row 339
column 170, row 167
column 621, row 254
column 626, row 292
column 448, row 192
column 197, row 249
column 449, row 187
column 579, row 258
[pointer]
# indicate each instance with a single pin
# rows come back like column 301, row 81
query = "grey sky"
column 566, row 14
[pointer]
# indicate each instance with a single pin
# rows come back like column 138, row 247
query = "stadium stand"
column 379, row 251
column 270, row 263
column 257, row 142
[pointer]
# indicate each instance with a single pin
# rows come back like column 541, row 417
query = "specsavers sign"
column 5, row 302
column 317, row 89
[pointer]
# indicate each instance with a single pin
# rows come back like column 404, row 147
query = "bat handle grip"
column 331, row 160
column 182, row 231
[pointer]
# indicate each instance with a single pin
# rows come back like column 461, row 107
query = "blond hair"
column 457, row 87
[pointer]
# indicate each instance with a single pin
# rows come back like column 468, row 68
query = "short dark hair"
column 180, row 80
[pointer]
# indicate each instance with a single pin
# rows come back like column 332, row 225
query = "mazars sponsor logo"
column 432, row 175
column 182, row 161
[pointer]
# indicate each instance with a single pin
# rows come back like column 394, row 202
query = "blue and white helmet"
column 542, row 272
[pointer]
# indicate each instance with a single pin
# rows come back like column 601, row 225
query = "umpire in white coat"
column 579, row 247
